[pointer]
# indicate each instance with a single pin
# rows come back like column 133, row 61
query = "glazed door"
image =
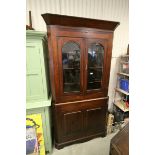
column 95, row 65
column 71, row 65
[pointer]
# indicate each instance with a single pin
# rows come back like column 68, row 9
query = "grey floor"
column 98, row 146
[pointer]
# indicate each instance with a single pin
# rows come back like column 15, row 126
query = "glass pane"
column 71, row 67
column 95, row 66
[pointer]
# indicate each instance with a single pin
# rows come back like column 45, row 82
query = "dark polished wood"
column 79, row 140
column 61, row 42
column 76, row 120
column 54, row 19
column 120, row 142
column 56, row 39
column 78, row 115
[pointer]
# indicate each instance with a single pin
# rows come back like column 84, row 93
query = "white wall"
column 114, row 10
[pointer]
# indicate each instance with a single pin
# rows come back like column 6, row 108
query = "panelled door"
column 34, row 80
column 95, row 117
column 81, row 119
column 70, row 121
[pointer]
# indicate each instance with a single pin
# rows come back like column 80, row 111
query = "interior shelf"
column 123, row 56
column 94, row 81
column 122, row 91
column 70, row 52
column 122, row 106
column 70, row 68
column 71, row 83
column 95, row 67
column 124, row 62
column 121, row 73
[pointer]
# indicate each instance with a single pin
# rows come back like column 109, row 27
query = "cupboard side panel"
column 108, row 62
column 53, row 63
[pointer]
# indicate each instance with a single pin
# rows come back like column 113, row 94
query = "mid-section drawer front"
column 82, row 105
column 100, row 102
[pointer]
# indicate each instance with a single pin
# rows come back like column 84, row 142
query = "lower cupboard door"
column 73, row 125
column 96, row 121
column 69, row 123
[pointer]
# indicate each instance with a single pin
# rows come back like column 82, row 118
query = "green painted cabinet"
column 36, row 62
column 38, row 97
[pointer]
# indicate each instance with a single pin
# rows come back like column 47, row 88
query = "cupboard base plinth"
column 80, row 140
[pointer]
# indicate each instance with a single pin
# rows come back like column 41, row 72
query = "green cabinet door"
column 37, row 88
column 34, row 80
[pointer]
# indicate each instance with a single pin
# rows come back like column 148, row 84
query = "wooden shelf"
column 120, row 73
column 94, row 67
column 124, row 62
column 71, row 51
column 70, row 68
column 123, row 56
column 95, row 81
column 121, row 106
column 71, row 83
column 121, row 91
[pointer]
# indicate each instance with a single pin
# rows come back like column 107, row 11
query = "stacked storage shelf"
column 38, row 96
column 121, row 99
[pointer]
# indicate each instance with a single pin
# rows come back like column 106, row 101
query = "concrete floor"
column 98, row 146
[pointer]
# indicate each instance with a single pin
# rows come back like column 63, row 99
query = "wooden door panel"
column 95, row 118
column 74, row 120
column 73, row 123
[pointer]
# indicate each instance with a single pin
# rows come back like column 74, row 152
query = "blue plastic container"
column 124, row 84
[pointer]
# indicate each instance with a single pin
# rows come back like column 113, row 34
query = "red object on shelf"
column 127, row 104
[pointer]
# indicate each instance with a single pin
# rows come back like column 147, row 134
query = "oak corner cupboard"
column 80, row 55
